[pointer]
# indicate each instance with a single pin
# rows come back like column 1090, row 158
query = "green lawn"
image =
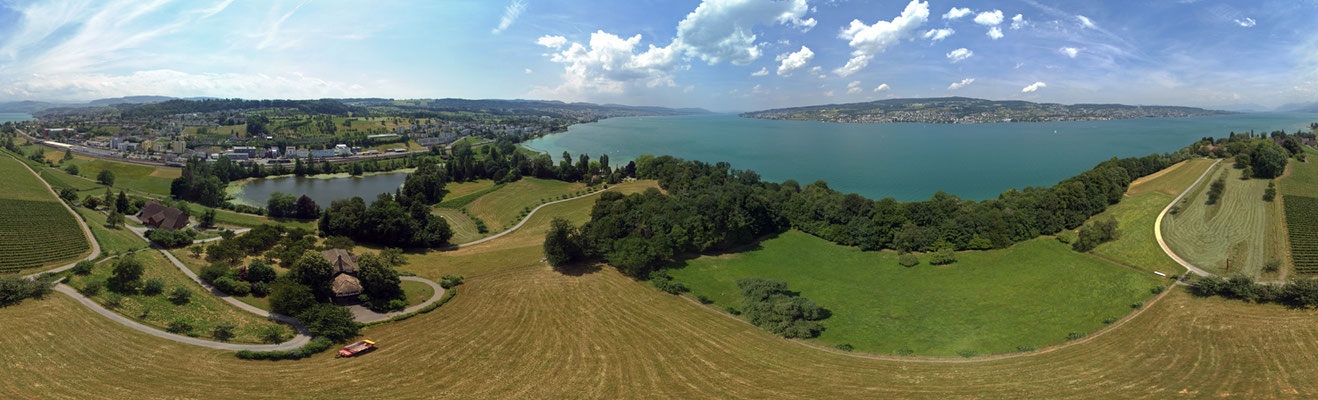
column 1136, row 245
column 500, row 208
column 203, row 312
column 417, row 292
column 460, row 189
column 456, row 200
column 19, row 183
column 1238, row 235
column 1303, row 177
column 155, row 180
column 1171, row 181
column 113, row 241
column 1034, row 293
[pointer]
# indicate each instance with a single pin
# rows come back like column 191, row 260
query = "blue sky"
column 718, row 54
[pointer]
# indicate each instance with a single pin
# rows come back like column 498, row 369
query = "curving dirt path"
column 365, row 315
column 1157, row 226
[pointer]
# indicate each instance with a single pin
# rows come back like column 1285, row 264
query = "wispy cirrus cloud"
column 510, row 14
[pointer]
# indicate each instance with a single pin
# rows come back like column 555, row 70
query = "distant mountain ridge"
column 200, row 104
column 961, row 110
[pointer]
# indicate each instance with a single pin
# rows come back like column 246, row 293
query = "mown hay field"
column 1237, row 235
column 501, row 208
column 1172, row 180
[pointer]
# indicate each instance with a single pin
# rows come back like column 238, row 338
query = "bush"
column 766, row 303
column 83, row 267
column 1026, row 347
column 1075, row 336
column 1092, row 235
column 272, row 334
column 211, row 273
column 1215, row 190
column 844, row 347
column 229, row 285
column 92, row 288
column 903, row 352
column 397, row 305
column 316, row 345
column 223, row 331
column 703, row 300
column 1271, row 192
column 967, row 353
column 260, row 289
column 1272, row 266
column 450, row 281
column 942, row 257
column 329, row 321
column 258, row 271
column 664, row 282
column 113, row 301
column 179, row 326
column 1157, row 289
column 171, row 238
column 908, row 260
column 1137, row 305
column 1109, row 320
column 290, row 298
column 153, row 286
column 180, row 295
column 732, row 310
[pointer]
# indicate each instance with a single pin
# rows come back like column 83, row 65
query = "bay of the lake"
column 905, row 161
column 321, row 188
column 14, row 117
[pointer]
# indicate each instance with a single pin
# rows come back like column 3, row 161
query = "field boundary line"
column 1157, row 225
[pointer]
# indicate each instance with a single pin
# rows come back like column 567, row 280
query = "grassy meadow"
column 202, row 312
column 1034, row 293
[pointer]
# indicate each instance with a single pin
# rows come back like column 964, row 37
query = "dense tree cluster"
column 768, row 304
column 172, row 239
column 712, row 207
column 173, row 107
column 390, row 220
column 1099, row 232
column 14, row 289
column 1300, row 293
column 283, row 205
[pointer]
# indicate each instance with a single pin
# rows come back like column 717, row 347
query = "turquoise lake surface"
column 905, row 161
column 14, row 117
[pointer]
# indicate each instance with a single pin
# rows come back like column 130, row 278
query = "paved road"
column 87, row 232
column 1157, row 226
column 522, row 222
column 365, row 315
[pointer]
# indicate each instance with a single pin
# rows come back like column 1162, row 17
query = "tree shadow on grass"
column 682, row 260
column 579, row 268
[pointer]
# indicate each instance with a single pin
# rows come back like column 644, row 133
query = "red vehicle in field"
column 357, row 348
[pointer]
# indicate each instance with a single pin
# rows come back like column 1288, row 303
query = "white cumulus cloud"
column 882, row 87
column 1018, row 22
column 794, row 61
column 963, row 83
column 721, row 30
column 989, row 17
column 956, row 13
column 510, row 14
column 1069, row 51
column 854, row 87
column 994, row 33
column 762, row 72
column 959, row 55
column 938, row 34
column 552, row 42
column 1246, row 22
column 1033, row 87
column 608, row 64
column 870, row 40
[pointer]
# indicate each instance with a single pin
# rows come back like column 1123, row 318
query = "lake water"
column 905, row 161
column 323, row 189
column 14, row 117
